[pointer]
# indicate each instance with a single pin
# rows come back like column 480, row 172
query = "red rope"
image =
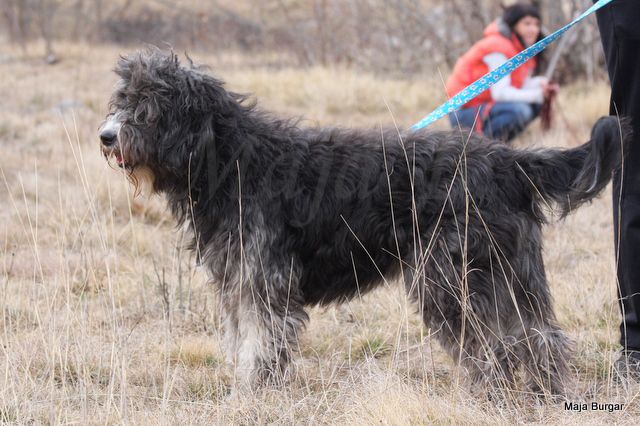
column 546, row 113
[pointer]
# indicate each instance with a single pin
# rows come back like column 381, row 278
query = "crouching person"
column 505, row 110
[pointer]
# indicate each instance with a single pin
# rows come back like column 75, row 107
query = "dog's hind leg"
column 543, row 348
column 459, row 308
column 545, row 352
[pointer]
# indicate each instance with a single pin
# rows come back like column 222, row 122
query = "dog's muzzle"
column 108, row 137
column 108, row 134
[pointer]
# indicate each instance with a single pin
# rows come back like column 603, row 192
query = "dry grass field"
column 105, row 319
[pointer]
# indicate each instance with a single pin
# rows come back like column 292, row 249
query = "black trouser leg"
column 619, row 24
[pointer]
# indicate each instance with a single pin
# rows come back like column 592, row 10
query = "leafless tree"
column 399, row 36
column 17, row 20
column 46, row 10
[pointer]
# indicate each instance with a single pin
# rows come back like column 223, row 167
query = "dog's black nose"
column 108, row 137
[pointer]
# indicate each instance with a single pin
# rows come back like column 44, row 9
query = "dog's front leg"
column 263, row 327
column 266, row 338
column 229, row 323
column 252, row 345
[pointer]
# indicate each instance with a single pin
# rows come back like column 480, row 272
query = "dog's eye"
column 145, row 111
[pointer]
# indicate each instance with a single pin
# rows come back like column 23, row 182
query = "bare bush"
column 397, row 36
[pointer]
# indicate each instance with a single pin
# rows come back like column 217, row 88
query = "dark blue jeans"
column 504, row 122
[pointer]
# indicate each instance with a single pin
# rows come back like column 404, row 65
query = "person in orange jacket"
column 503, row 111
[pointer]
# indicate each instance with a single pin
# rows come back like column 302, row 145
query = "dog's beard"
column 140, row 176
column 143, row 179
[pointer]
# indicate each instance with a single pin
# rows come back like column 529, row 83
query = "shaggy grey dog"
column 286, row 217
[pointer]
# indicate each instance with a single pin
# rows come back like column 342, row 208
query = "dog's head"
column 159, row 115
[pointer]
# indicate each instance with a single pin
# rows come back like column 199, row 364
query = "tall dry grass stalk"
column 105, row 319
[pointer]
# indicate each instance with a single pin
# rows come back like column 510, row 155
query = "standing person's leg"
column 620, row 33
column 507, row 119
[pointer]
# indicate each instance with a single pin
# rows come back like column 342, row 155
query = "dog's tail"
column 573, row 176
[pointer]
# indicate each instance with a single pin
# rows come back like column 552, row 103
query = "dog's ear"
column 186, row 154
column 203, row 94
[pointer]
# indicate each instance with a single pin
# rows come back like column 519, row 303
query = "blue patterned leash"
column 491, row 78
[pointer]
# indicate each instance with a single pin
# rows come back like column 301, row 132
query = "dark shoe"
column 627, row 366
